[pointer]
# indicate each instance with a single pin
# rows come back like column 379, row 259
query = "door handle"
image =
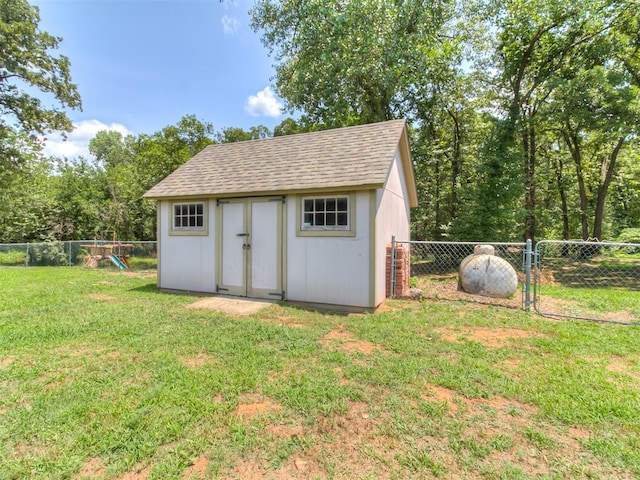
column 246, row 246
column 242, row 234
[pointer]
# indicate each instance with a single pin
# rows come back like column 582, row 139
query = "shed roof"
column 349, row 157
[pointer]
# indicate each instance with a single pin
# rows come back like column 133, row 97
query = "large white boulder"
column 488, row 275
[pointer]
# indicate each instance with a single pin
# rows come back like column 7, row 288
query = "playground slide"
column 117, row 262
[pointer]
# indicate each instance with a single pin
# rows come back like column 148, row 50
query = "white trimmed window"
column 188, row 217
column 326, row 213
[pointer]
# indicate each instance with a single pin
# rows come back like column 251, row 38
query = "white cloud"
column 263, row 103
column 77, row 142
column 230, row 25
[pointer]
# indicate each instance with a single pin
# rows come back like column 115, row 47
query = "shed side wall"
column 187, row 262
column 392, row 218
column 332, row 270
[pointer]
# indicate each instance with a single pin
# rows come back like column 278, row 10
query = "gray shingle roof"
column 357, row 156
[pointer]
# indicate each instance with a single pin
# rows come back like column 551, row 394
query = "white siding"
column 333, row 270
column 392, row 218
column 187, row 262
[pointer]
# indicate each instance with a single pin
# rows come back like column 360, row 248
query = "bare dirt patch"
column 26, row 450
column 285, row 431
column 138, row 473
column 489, row 337
column 441, row 394
column 501, row 405
column 298, row 467
column 196, row 361
column 5, row 362
column 92, row 468
column 350, row 442
column 252, row 404
column 447, row 289
column 344, row 340
column 103, row 297
column 198, row 469
column 622, row 365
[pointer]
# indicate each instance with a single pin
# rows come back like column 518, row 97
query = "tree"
column 542, row 44
column 237, row 134
column 27, row 205
column 27, row 64
column 344, row 63
column 598, row 112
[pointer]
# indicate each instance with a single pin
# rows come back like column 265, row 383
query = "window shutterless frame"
column 329, row 215
column 188, row 218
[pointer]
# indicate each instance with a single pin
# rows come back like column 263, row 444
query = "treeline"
column 524, row 118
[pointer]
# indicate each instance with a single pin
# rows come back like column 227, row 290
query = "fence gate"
column 598, row 281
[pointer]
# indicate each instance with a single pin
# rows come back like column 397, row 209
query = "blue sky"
column 142, row 64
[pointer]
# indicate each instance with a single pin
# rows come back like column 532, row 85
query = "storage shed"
column 304, row 218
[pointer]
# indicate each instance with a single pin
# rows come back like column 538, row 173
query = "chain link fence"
column 89, row 253
column 492, row 273
column 597, row 281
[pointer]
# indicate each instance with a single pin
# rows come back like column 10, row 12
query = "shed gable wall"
column 392, row 217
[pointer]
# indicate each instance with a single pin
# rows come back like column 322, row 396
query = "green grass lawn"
column 102, row 376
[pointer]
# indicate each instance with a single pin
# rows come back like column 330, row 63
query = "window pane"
column 192, row 209
column 342, row 219
column 319, row 219
column 177, row 222
column 342, row 204
column 331, row 204
column 308, row 219
column 308, row 205
column 199, row 208
column 319, row 204
column 331, row 219
column 192, row 221
column 199, row 222
column 176, row 209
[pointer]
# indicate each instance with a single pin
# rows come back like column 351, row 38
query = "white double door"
column 250, row 247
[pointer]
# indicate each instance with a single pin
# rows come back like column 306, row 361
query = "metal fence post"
column 393, row 266
column 26, row 260
column 527, row 288
column 69, row 245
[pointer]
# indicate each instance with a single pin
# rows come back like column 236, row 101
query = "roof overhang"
column 270, row 193
column 407, row 167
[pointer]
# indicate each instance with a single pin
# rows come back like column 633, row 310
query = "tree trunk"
column 456, row 164
column 563, row 205
column 436, row 227
column 573, row 144
column 606, row 174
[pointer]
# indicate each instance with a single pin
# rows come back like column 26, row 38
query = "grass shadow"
column 594, row 273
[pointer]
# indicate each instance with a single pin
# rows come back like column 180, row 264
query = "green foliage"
column 13, row 258
column 629, row 235
column 493, row 202
column 355, row 62
column 235, row 134
column 50, row 252
column 27, row 65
